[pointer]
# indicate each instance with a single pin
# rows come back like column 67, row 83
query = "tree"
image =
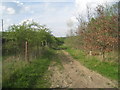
column 102, row 32
column 99, row 33
column 28, row 38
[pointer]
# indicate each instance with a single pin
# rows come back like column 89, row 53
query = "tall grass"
column 0, row 72
column 21, row 74
column 107, row 69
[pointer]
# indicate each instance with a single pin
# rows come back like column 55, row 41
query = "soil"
column 75, row 75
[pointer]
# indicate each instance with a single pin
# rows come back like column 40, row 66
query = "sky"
column 57, row 15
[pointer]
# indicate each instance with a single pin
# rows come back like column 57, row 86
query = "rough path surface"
column 75, row 75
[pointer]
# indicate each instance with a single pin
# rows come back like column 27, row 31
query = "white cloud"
column 21, row 3
column 73, row 19
column 6, row 10
column 2, row 8
column 81, row 4
column 18, row 3
column 27, row 9
column 71, row 22
column 24, row 8
column 10, row 10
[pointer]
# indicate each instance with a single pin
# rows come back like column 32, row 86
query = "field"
column 21, row 74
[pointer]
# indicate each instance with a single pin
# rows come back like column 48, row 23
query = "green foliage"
column 0, row 71
column 107, row 69
column 27, row 76
column 29, row 32
column 37, row 36
column 21, row 74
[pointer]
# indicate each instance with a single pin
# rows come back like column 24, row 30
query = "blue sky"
column 53, row 13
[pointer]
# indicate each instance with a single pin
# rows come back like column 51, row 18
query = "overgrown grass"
column 107, row 69
column 21, row 74
column 58, row 60
column 0, row 71
column 112, row 56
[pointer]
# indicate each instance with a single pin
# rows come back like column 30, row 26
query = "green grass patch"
column 26, row 75
column 21, row 74
column 0, row 72
column 107, row 69
column 58, row 60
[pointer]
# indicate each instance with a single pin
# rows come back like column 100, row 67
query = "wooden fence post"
column 26, row 51
column 90, row 53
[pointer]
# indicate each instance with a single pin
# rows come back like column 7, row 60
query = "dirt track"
column 75, row 75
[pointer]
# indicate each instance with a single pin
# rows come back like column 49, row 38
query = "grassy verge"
column 107, row 69
column 21, row 74
column 0, row 71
